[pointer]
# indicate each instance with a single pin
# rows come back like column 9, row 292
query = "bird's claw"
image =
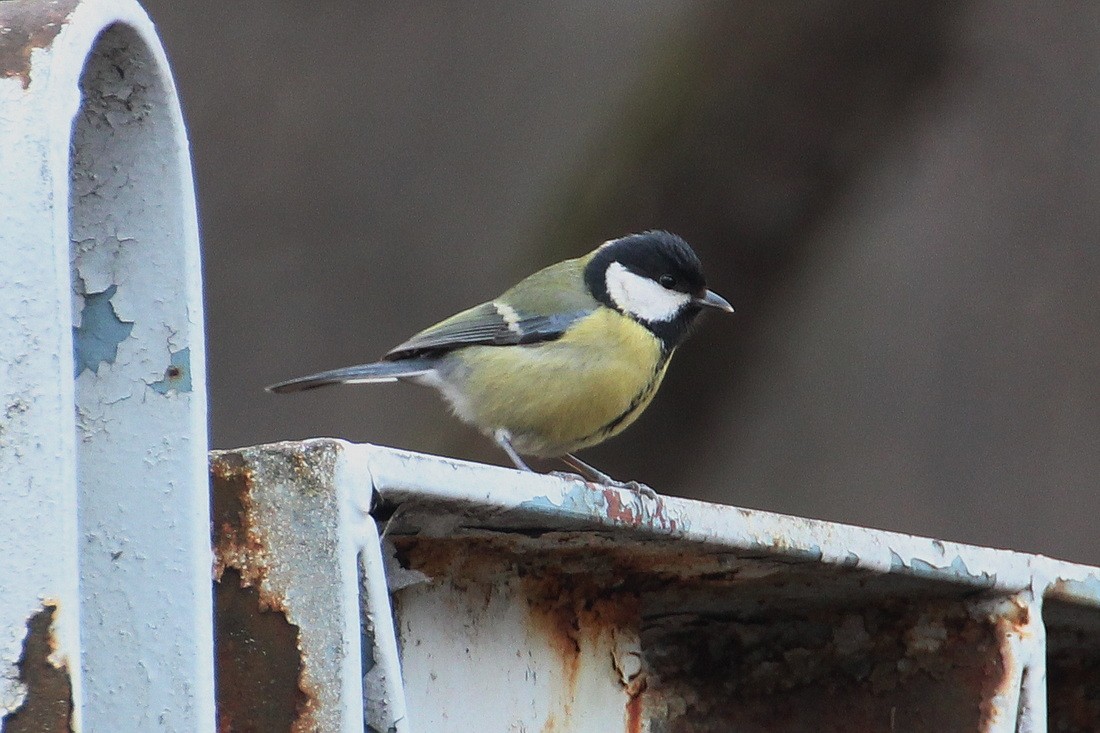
column 637, row 487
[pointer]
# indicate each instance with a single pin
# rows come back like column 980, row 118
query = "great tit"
column 565, row 359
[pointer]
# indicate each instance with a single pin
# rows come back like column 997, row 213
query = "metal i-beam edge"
column 527, row 602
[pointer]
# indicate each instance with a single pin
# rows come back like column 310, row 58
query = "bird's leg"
column 587, row 470
column 594, row 474
column 504, row 441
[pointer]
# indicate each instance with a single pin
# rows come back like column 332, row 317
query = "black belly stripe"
column 646, row 392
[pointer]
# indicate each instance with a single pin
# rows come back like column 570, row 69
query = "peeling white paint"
column 119, row 215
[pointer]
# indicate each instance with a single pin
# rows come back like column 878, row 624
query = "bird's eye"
column 667, row 281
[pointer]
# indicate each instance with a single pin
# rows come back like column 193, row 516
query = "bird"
column 567, row 358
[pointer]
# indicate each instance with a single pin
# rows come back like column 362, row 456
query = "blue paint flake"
column 100, row 332
column 177, row 376
column 1088, row 588
column 897, row 564
column 924, row 569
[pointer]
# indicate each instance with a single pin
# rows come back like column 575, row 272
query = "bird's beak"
column 712, row 299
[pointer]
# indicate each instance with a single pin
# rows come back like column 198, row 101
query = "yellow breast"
column 563, row 395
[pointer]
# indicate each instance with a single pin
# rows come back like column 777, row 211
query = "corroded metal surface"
column 286, row 616
column 715, row 643
column 258, row 649
column 27, row 25
column 550, row 649
column 532, row 603
column 927, row 666
column 744, row 620
column 47, row 705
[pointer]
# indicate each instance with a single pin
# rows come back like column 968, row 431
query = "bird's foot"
column 636, row 486
column 604, row 480
column 595, row 475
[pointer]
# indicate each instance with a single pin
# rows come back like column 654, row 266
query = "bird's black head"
column 656, row 279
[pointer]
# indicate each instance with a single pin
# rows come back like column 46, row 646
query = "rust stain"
column 573, row 613
column 1014, row 617
column 807, row 661
column 262, row 683
column 902, row 665
column 258, row 660
column 634, row 714
column 235, row 540
column 451, row 558
column 26, row 25
column 626, row 512
column 632, row 568
column 48, row 706
column 1012, row 622
column 926, row 663
column 554, row 614
column 617, row 510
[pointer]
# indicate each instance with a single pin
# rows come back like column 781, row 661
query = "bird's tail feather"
column 382, row 371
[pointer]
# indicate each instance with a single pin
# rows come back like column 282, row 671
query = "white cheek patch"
column 642, row 297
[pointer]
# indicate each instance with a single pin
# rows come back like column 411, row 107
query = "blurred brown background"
column 901, row 199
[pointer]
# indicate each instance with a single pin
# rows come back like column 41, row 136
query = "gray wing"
column 489, row 324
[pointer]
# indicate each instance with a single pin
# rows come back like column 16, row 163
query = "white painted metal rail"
column 105, row 621
column 519, row 602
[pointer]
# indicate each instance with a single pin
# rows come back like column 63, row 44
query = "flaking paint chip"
column 100, row 332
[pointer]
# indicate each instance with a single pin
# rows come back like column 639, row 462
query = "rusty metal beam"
column 287, row 621
column 525, row 602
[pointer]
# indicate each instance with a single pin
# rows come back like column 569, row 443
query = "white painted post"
column 38, row 574
column 103, row 507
